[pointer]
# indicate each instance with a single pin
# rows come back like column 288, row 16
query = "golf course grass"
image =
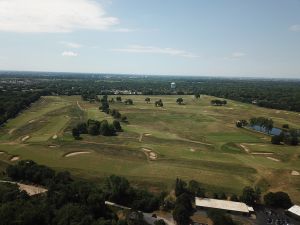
column 191, row 141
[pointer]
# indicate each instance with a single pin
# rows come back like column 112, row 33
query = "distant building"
column 294, row 211
column 173, row 85
column 228, row 206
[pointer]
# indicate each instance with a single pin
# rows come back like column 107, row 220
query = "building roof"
column 295, row 210
column 223, row 204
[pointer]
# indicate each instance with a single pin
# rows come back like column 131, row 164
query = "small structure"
column 229, row 206
column 294, row 212
column 173, row 85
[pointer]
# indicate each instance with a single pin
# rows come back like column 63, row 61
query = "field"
column 191, row 141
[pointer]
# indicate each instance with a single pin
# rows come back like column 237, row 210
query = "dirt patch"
column 25, row 138
column 150, row 154
column 295, row 173
column 15, row 158
column 271, row 158
column 246, row 149
column 262, row 153
column 75, row 153
column 53, row 146
column 29, row 189
column 11, row 131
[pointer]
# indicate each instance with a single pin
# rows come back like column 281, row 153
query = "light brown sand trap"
column 262, row 153
column 2, row 153
column 54, row 137
column 295, row 173
column 192, row 150
column 25, row 138
column 246, row 149
column 147, row 134
column 76, row 153
column 11, row 131
column 15, row 158
column 29, row 189
column 53, row 146
column 150, row 154
column 271, row 158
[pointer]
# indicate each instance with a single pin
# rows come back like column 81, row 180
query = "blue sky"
column 172, row 37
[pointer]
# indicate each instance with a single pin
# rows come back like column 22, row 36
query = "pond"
column 274, row 131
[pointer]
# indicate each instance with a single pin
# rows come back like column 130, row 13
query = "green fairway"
column 191, row 141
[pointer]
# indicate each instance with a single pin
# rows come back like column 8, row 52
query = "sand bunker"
column 25, row 138
column 246, row 149
column 295, row 173
column 192, row 150
column 271, row 158
column 54, row 137
column 147, row 134
column 262, row 153
column 53, row 146
column 31, row 121
column 15, row 158
column 75, row 153
column 2, row 153
column 150, row 154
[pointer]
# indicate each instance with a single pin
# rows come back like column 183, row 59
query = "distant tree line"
column 218, row 102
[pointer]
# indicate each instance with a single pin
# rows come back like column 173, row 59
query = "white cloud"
column 156, row 50
column 238, row 54
column 123, row 30
column 53, row 16
column 295, row 27
column 69, row 54
column 71, row 44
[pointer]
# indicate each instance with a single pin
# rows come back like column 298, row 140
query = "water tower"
column 173, row 86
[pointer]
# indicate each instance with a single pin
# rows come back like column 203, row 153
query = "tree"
column 250, row 196
column 278, row 200
column 275, row 140
column 147, row 100
column 128, row 102
column 119, row 99
column 285, row 126
column 117, row 125
column 179, row 101
column 160, row 222
column 180, row 187
column 159, row 103
column 219, row 217
column 197, row 96
column 234, row 198
column 75, row 133
column 124, row 119
column 181, row 215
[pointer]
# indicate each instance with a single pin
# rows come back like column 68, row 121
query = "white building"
column 226, row 205
column 295, row 211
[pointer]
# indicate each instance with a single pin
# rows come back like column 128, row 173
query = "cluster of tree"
column 197, row 95
column 13, row 102
column 219, row 217
column 147, row 100
column 218, row 102
column 241, row 123
column 94, row 127
column 185, row 194
column 30, row 172
column 66, row 202
column 69, row 202
column 179, row 101
column 90, row 96
column 159, row 103
column 278, row 200
column 118, row 190
column 262, row 122
column 128, row 102
column 290, row 137
column 104, row 104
